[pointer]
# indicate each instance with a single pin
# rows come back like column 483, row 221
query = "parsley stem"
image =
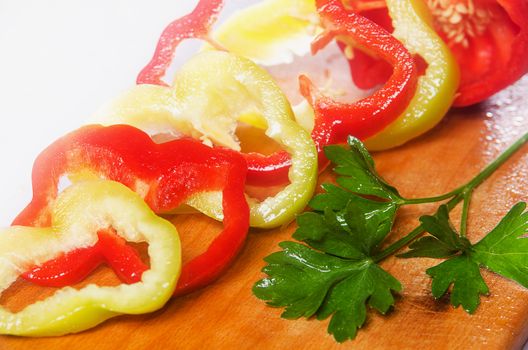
column 465, row 212
column 477, row 180
column 462, row 193
column 406, row 201
column 411, row 236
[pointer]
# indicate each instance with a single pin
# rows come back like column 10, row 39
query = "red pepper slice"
column 163, row 174
column 368, row 71
column 334, row 121
column 194, row 25
column 74, row 266
column 489, row 39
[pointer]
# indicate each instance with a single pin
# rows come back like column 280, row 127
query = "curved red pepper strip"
column 163, row 174
column 194, row 25
column 73, row 267
column 367, row 71
column 334, row 121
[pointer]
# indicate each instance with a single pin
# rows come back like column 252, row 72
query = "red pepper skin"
column 268, row 170
column 73, row 267
column 163, row 174
column 368, row 71
column 335, row 121
column 194, row 25
column 505, row 43
column 490, row 62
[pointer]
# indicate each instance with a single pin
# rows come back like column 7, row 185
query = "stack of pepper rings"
column 121, row 180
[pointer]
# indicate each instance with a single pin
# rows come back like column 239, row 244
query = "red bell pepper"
column 163, row 174
column 368, row 71
column 74, row 266
column 493, row 54
column 489, row 39
column 194, row 25
column 335, row 121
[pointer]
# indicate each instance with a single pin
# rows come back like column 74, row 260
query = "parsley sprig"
column 335, row 271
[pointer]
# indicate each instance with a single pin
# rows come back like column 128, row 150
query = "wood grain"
column 226, row 315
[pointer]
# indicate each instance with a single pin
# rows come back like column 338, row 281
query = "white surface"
column 60, row 60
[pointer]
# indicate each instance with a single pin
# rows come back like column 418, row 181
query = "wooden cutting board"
column 227, row 316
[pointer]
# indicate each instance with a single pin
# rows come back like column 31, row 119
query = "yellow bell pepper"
column 411, row 20
column 271, row 31
column 210, row 94
column 436, row 88
column 80, row 211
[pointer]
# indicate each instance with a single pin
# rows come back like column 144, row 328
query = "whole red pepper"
column 489, row 39
column 163, row 174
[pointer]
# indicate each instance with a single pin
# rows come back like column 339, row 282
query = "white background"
column 59, row 61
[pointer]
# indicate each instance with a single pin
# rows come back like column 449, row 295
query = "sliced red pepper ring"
column 194, row 25
column 163, row 174
column 261, row 171
column 212, row 92
column 335, row 121
column 76, row 216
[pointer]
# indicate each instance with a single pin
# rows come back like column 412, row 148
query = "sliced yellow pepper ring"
column 211, row 92
column 411, row 20
column 272, row 31
column 436, row 89
column 80, row 211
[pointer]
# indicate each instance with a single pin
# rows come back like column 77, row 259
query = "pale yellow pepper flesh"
column 436, row 88
column 210, row 94
column 79, row 212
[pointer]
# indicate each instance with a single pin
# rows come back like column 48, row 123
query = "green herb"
column 502, row 251
column 342, row 278
column 335, row 273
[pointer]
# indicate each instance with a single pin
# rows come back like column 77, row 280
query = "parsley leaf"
column 444, row 240
column 504, row 251
column 464, row 274
column 354, row 231
column 347, row 300
column 334, row 275
column 357, row 169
